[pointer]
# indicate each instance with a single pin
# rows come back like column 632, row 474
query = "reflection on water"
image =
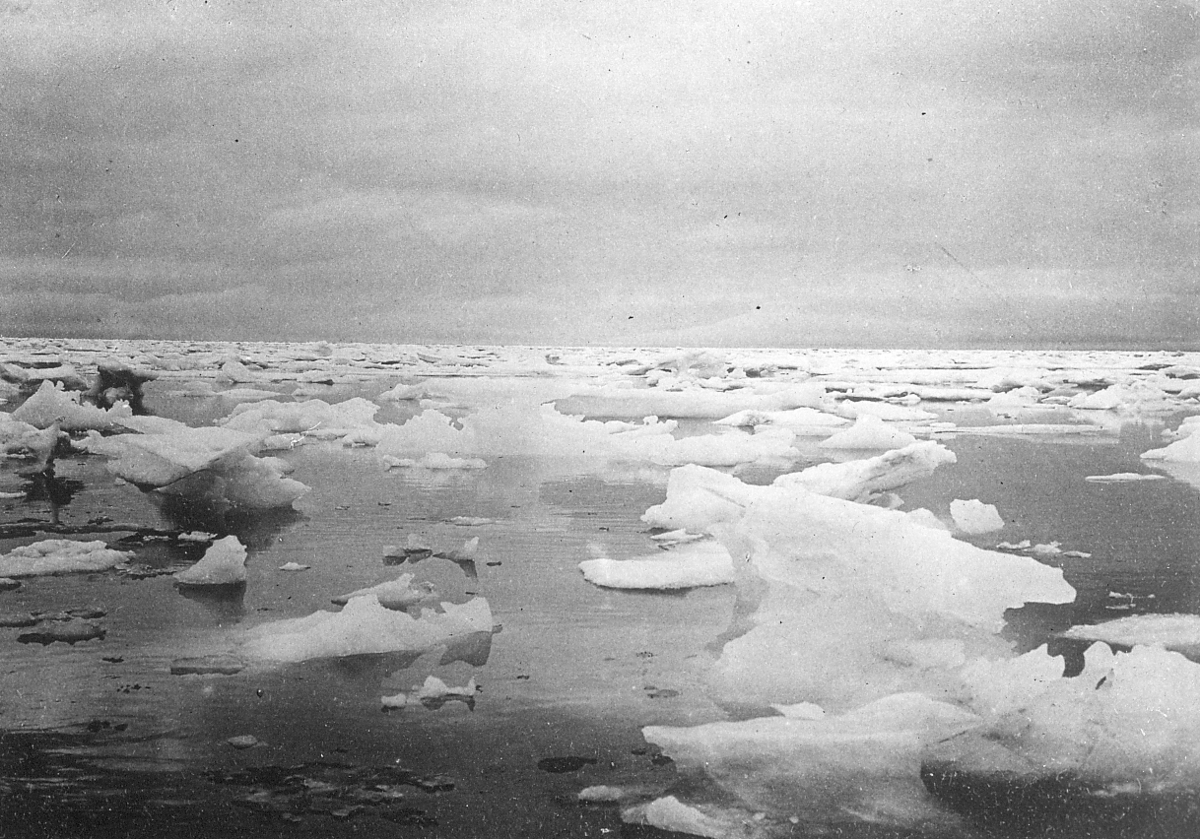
column 101, row 737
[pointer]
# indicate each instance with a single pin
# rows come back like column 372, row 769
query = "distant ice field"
column 745, row 593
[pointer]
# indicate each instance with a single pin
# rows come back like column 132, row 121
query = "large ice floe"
column 885, row 633
column 217, row 466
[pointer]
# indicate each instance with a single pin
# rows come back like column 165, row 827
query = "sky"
column 745, row 173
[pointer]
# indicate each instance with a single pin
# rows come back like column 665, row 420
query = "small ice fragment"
column 671, row 814
column 294, row 566
column 197, row 536
column 244, row 741
column 1123, row 477
column 469, row 521
column 1023, row 545
column 223, row 564
column 435, row 692
column 1077, row 554
column 974, row 517
column 1051, row 549
column 396, row 700
column 600, row 794
column 8, row 495
column 9, row 584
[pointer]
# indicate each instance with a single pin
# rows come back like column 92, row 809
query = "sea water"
column 100, row 737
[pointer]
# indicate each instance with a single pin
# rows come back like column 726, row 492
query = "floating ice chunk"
column 863, row 480
column 30, row 378
column 234, row 370
column 1177, row 632
column 1128, row 720
column 869, row 432
column 60, row 556
column 698, row 497
column 435, row 691
column 806, row 421
column 197, row 536
column 1184, row 450
column 211, row 464
column 398, row 594
column 428, row 431
column 859, row 600
column 222, row 665
column 692, row 402
column 364, row 626
column 294, row 566
column 974, row 517
column 1123, row 477
column 600, row 794
column 886, row 411
column 468, row 551
column 434, row 460
column 1130, row 397
column 223, row 564
column 49, row 405
column 1023, row 545
column 690, row 566
column 671, row 814
column 862, row 765
column 470, row 521
column 1014, row 401
column 352, row 421
column 24, row 439
column 244, row 741
column 404, row 393
column 394, row 702
column 1047, row 549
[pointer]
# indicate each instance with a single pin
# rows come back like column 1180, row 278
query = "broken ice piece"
column 197, row 536
column 294, row 566
column 393, row 702
column 974, row 517
column 435, row 693
column 1123, row 477
column 600, row 794
column 223, row 564
column 1023, row 545
column 1051, row 549
column 469, row 521
column 397, row 594
column 467, row 552
column 244, row 741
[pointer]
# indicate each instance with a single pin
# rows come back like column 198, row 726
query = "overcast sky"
column 947, row 173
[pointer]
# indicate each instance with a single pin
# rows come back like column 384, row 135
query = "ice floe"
column 364, row 626
column 689, row 566
column 869, row 432
column 973, row 517
column 49, row 405
column 223, row 564
column 211, row 464
column 60, row 556
column 1178, row 632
